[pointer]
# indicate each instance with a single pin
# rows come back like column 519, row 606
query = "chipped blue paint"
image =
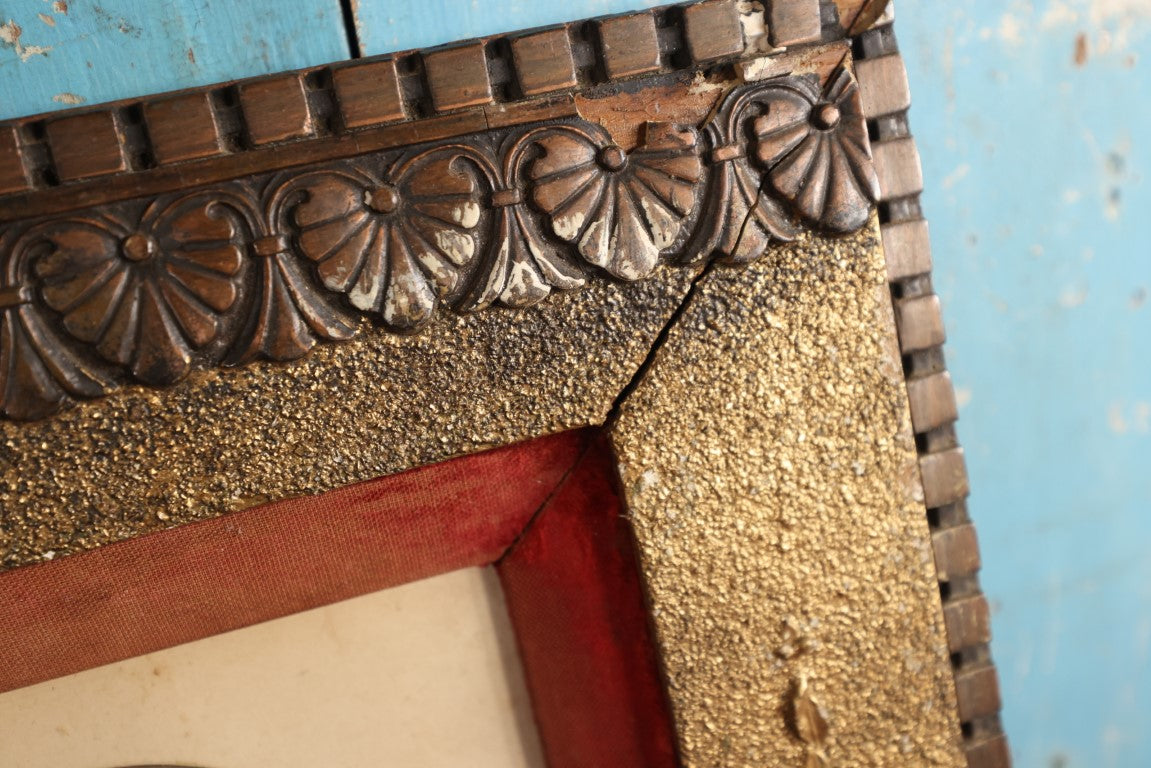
column 81, row 51
column 396, row 25
column 1036, row 170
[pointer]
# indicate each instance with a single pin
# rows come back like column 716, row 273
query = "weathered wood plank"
column 57, row 54
column 394, row 25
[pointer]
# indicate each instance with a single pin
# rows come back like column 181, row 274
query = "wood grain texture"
column 944, row 477
column 276, row 109
column 86, row 145
column 261, row 113
column 544, row 61
column 978, row 692
column 991, row 752
column 883, row 85
column 908, row 249
column 932, row 400
column 88, row 53
column 395, row 25
column 897, row 164
column 458, row 76
column 920, row 323
column 899, row 167
column 269, row 265
column 13, row 177
column 369, row 93
column 182, row 128
column 968, row 622
column 793, row 22
column 712, row 30
column 630, row 46
column 956, row 552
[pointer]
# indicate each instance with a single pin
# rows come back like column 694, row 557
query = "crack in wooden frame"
column 45, row 162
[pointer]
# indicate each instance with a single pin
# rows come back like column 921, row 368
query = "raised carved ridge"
column 266, row 266
column 886, row 98
column 234, row 123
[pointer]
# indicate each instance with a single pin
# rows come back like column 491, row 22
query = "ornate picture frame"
column 693, row 230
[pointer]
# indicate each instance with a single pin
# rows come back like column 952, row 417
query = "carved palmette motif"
column 620, row 211
column 266, row 267
column 392, row 245
column 816, row 151
column 145, row 294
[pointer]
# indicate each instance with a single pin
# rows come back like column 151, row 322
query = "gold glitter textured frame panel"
column 716, row 292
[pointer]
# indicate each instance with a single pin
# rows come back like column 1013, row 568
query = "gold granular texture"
column 770, row 473
column 142, row 460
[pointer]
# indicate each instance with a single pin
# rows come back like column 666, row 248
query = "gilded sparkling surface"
column 771, row 476
column 766, row 457
column 143, row 460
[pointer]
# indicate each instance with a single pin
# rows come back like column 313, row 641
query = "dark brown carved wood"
column 268, row 265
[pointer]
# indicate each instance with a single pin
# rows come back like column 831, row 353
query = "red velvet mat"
column 545, row 512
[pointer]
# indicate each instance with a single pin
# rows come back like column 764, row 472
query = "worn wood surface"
column 55, row 55
column 231, row 273
column 387, row 25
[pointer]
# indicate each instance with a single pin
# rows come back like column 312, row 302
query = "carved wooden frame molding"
column 149, row 239
column 229, row 252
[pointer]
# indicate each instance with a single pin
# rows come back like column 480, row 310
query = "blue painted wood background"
column 1035, row 130
column 1031, row 120
column 57, row 53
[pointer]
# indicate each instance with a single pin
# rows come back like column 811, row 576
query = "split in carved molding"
column 264, row 267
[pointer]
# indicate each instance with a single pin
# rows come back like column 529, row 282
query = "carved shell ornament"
column 620, row 211
column 393, row 246
column 817, row 151
column 269, row 265
column 144, row 295
column 738, row 221
column 39, row 370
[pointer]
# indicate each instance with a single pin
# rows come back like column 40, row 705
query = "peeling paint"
column 956, row 176
column 1102, row 11
column 116, row 22
column 701, row 83
column 1142, row 417
column 10, row 34
column 1058, row 14
column 1080, row 57
column 1073, row 296
column 457, row 246
column 962, row 396
column 68, row 98
column 1058, row 143
column 754, row 22
column 1115, row 420
column 1010, row 29
column 467, row 214
column 46, row 19
column 568, row 227
column 1134, row 419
